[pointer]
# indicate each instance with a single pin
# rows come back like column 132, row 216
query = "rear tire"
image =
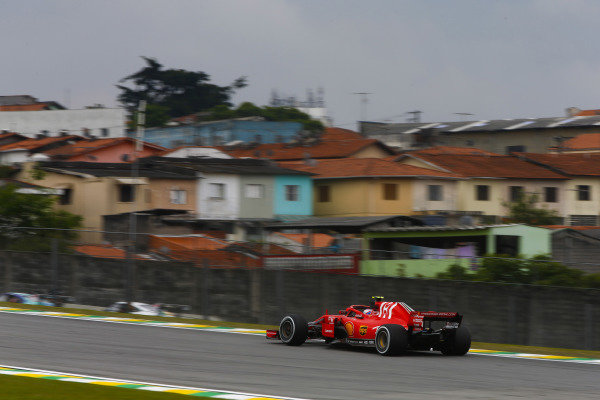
column 459, row 344
column 391, row 340
column 293, row 330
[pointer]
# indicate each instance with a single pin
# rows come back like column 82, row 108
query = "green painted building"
column 427, row 250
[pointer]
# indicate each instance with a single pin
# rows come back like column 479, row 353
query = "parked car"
column 35, row 299
column 391, row 327
column 138, row 308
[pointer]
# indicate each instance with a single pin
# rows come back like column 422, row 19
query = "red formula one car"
column 391, row 327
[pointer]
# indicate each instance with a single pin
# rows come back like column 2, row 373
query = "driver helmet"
column 368, row 311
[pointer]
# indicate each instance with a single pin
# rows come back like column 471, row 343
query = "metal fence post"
column 205, row 289
column 54, row 265
column 129, row 268
column 589, row 327
column 279, row 290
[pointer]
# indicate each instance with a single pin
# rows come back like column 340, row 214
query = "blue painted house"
column 218, row 133
column 293, row 197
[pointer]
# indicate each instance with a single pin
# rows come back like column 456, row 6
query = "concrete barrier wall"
column 502, row 313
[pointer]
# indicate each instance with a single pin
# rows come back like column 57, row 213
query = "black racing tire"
column 293, row 330
column 457, row 344
column 391, row 340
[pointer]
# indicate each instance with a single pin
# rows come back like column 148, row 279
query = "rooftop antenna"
column 464, row 115
column 415, row 116
column 363, row 104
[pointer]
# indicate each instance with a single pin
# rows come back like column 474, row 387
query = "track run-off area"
column 199, row 360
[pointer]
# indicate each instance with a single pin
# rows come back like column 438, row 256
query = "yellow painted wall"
column 499, row 194
column 94, row 197
column 160, row 193
column 363, row 197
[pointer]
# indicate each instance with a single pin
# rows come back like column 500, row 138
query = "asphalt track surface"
column 250, row 363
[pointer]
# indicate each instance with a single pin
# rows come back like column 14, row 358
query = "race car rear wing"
column 441, row 316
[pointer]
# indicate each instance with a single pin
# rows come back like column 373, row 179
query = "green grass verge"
column 154, row 318
column 554, row 351
column 24, row 388
column 477, row 345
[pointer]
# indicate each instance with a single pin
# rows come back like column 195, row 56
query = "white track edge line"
column 225, row 391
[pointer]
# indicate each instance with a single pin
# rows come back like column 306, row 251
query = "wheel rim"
column 286, row 329
column 382, row 340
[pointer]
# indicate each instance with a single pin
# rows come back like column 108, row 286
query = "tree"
column 525, row 211
column 248, row 109
column 181, row 92
column 21, row 216
column 455, row 272
column 539, row 270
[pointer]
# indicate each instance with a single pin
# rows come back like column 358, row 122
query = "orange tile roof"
column 364, row 167
column 318, row 239
column 333, row 133
column 32, row 144
column 195, row 242
column 452, row 150
column 480, row 166
column 103, row 251
column 11, row 134
column 577, row 228
column 24, row 107
column 334, row 143
column 87, row 146
column 582, row 142
column 569, row 164
column 587, row 113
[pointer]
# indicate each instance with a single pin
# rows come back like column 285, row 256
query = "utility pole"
column 135, row 172
column 363, row 104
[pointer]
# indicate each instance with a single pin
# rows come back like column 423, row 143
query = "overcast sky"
column 494, row 59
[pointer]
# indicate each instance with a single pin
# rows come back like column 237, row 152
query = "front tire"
column 458, row 344
column 391, row 340
column 293, row 330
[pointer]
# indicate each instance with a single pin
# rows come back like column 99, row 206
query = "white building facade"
column 92, row 122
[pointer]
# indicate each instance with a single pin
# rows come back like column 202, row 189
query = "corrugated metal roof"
column 433, row 228
column 487, row 125
column 348, row 222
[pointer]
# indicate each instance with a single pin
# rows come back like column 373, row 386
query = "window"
column 482, row 192
column 217, row 191
column 291, row 192
column 515, row 193
column 323, row 194
column 126, row 193
column 104, row 132
column 66, row 196
column 584, row 193
column 390, row 191
column 515, row 149
column 434, row 192
column 583, row 220
column 254, row 191
column 178, row 196
column 550, row 194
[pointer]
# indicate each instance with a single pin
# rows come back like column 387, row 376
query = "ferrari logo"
column 363, row 330
column 349, row 329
